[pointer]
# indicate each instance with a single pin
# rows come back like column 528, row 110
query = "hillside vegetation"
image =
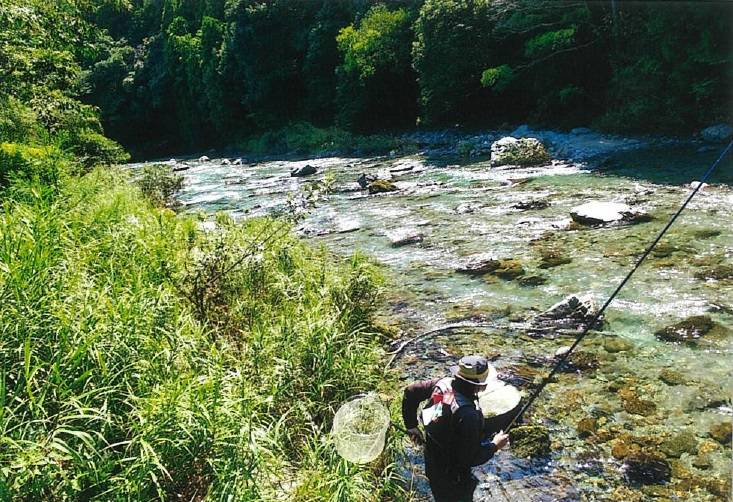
column 146, row 356
column 185, row 74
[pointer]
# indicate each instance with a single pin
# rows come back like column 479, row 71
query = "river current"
column 456, row 210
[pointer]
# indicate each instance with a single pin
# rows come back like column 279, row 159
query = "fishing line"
column 598, row 315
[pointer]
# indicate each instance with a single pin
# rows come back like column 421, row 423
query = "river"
column 460, row 209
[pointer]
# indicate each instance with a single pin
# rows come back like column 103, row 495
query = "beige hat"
column 475, row 370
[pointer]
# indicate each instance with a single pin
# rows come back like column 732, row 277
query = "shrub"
column 159, row 184
column 20, row 162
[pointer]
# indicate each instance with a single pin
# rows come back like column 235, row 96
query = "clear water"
column 464, row 210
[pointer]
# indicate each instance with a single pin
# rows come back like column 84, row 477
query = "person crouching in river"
column 454, row 428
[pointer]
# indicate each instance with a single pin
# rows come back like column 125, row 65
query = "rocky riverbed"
column 643, row 409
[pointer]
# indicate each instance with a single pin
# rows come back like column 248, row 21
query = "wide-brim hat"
column 475, row 370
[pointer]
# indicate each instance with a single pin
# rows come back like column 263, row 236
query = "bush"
column 18, row 162
column 159, row 184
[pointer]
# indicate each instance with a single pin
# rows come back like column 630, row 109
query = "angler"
column 455, row 436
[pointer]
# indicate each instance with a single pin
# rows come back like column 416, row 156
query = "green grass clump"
column 146, row 358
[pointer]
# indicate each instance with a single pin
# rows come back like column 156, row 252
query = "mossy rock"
column 722, row 433
column 587, row 427
column 702, row 462
column 382, row 186
column 719, row 273
column 614, row 344
column 533, row 280
column 581, row 361
column 530, row 441
column 508, row 269
column 551, row 258
column 672, row 377
column 647, row 467
column 688, row 330
column 632, row 403
column 684, row 442
column 705, row 233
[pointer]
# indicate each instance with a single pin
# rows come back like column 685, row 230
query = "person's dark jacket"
column 457, row 447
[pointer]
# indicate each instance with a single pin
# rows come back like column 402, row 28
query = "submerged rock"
column 672, row 377
column 587, row 427
column 688, row 330
column 614, row 344
column 632, row 403
column 382, row 186
column 646, row 467
column 519, row 152
column 507, row 269
column 530, row 441
column 722, row 433
column 684, row 442
column 532, row 204
column 719, row 273
column 533, row 280
column 306, row 170
column 551, row 258
column 599, row 213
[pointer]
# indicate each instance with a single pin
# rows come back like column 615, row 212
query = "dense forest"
column 173, row 75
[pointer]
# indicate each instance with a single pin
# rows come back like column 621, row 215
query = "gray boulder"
column 520, row 152
column 403, row 236
column 598, row 213
column 717, row 133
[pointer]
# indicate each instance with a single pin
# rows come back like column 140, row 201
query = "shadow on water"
column 669, row 165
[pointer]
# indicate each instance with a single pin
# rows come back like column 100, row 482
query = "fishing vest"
column 444, row 402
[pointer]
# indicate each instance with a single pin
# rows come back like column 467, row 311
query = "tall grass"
column 145, row 358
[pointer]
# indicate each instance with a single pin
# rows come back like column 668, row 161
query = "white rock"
column 237, row 162
column 596, row 212
column 696, row 184
column 404, row 236
column 225, row 162
column 346, row 225
column 204, row 158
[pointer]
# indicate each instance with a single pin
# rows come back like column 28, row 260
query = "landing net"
column 360, row 427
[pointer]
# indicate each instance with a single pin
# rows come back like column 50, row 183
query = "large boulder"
column 306, row 170
column 520, row 152
column 599, row 213
column 717, row 133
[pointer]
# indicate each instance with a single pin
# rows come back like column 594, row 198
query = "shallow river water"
column 462, row 210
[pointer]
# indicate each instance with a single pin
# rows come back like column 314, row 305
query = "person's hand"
column 415, row 435
column 501, row 439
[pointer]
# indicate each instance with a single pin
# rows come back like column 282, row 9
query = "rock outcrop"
column 382, row 186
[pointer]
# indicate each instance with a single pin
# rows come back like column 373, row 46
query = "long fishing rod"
column 598, row 315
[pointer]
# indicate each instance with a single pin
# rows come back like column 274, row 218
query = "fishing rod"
column 598, row 314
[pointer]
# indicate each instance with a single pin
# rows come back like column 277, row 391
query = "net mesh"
column 360, row 427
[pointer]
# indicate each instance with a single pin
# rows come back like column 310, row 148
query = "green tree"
column 376, row 86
